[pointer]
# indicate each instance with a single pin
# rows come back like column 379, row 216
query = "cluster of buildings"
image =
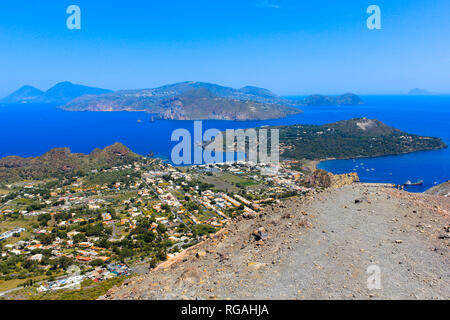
column 10, row 233
column 74, row 281
column 167, row 195
column 82, row 251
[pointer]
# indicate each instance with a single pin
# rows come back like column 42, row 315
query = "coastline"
column 317, row 162
column 392, row 168
column 126, row 130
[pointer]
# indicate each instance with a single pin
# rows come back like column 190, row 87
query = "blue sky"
column 288, row 46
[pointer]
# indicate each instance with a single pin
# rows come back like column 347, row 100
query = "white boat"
column 409, row 183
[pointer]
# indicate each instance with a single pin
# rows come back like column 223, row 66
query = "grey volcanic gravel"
column 318, row 247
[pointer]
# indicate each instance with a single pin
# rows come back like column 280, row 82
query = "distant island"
column 419, row 92
column 61, row 93
column 180, row 101
column 191, row 101
column 342, row 100
column 201, row 101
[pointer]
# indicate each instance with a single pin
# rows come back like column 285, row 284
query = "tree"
column 65, row 262
column 161, row 228
column 125, row 253
column 79, row 238
column 202, row 229
column 45, row 239
column 97, row 263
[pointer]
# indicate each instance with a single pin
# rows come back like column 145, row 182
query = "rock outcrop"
column 440, row 190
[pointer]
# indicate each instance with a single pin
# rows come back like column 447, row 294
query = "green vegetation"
column 15, row 283
column 110, row 178
column 203, row 229
column 59, row 163
column 89, row 291
column 236, row 179
column 349, row 139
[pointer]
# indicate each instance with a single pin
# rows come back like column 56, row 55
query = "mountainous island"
column 61, row 93
column 342, row 100
column 199, row 100
column 200, row 103
column 192, row 101
column 180, row 101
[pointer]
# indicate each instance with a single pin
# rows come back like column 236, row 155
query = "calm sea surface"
column 31, row 130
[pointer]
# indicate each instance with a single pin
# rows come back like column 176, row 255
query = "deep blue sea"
column 31, row 130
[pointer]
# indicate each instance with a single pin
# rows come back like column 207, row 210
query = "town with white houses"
column 117, row 221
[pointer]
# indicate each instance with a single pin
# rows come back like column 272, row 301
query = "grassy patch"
column 205, row 215
column 14, row 283
column 127, row 195
column 19, row 223
column 89, row 291
column 110, row 177
column 236, row 180
column 9, row 225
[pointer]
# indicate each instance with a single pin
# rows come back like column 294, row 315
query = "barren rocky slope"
column 318, row 247
column 440, row 190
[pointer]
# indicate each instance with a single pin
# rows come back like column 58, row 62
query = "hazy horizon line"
column 291, row 94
